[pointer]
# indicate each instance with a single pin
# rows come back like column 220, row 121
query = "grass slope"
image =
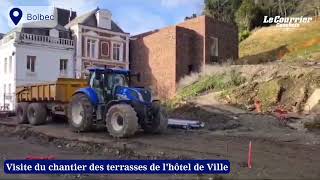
column 274, row 43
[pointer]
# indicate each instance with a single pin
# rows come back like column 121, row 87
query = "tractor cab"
column 106, row 81
column 114, row 84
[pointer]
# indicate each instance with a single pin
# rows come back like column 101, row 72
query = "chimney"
column 70, row 14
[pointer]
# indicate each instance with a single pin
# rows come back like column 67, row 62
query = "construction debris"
column 185, row 124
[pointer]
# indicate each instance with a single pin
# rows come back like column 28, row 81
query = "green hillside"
column 274, row 43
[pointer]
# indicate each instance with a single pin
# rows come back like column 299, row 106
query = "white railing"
column 45, row 40
column 37, row 39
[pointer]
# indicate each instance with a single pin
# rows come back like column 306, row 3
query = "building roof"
column 49, row 24
column 89, row 19
column 80, row 19
column 145, row 34
column 64, row 16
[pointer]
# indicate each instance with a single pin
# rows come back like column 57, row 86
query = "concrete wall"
column 154, row 57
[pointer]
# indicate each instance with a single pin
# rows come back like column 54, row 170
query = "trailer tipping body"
column 59, row 91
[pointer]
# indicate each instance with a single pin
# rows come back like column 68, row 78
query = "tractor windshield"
column 114, row 80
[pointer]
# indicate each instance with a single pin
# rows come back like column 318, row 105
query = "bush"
column 212, row 82
column 244, row 35
column 268, row 94
column 249, row 15
column 236, row 78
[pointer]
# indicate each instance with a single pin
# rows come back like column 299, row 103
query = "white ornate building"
column 99, row 41
column 43, row 51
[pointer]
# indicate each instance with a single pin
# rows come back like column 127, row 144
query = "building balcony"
column 104, row 61
column 38, row 39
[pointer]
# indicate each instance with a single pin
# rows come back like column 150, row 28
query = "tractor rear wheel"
column 122, row 121
column 80, row 113
column 37, row 114
column 21, row 111
column 159, row 123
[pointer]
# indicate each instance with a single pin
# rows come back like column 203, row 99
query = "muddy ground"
column 279, row 152
column 17, row 148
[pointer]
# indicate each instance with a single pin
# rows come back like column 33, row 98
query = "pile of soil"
column 288, row 87
column 213, row 121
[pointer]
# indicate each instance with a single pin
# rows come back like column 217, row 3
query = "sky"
column 133, row 16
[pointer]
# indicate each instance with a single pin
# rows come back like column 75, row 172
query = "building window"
column 10, row 64
column 116, row 51
column 63, row 66
column 190, row 69
column 31, row 62
column 91, row 48
column 5, row 65
column 214, row 49
column 105, row 49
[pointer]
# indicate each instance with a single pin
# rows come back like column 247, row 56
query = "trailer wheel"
column 159, row 123
column 80, row 113
column 121, row 121
column 37, row 114
column 21, row 111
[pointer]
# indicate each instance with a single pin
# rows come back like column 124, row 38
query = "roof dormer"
column 103, row 18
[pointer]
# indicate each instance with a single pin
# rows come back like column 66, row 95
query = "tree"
column 223, row 10
column 316, row 7
column 282, row 7
column 246, row 14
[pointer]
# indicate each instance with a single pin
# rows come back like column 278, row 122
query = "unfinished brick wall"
column 163, row 57
column 227, row 35
column 189, row 52
column 154, row 57
column 195, row 24
column 190, row 43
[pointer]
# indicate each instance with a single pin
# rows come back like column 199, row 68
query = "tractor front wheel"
column 80, row 113
column 122, row 121
column 159, row 122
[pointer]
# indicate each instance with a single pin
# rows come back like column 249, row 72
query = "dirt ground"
column 279, row 152
column 16, row 148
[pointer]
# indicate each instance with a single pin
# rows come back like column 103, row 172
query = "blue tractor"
column 109, row 100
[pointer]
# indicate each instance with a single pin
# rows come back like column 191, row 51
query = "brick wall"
column 163, row 57
column 189, row 52
column 154, row 57
column 190, row 43
column 207, row 27
column 227, row 35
